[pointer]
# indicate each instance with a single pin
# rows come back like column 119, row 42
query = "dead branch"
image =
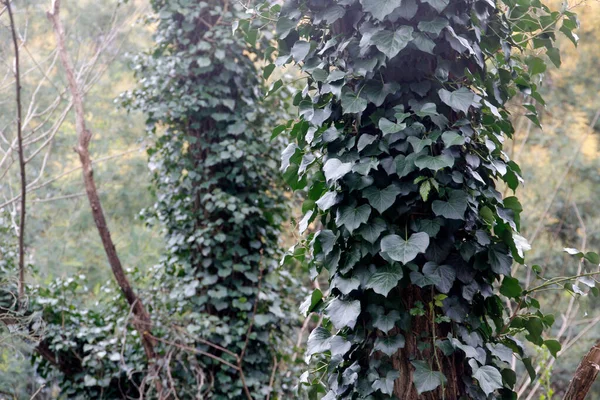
column 142, row 323
column 21, row 156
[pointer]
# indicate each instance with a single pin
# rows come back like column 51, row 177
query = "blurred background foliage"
column 561, row 168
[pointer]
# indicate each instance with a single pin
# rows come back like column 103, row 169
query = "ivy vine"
column 219, row 199
column 401, row 126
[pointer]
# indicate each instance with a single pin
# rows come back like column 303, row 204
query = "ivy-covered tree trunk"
column 219, row 198
column 402, row 122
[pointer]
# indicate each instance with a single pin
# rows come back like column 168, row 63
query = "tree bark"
column 451, row 367
column 142, row 321
column 585, row 375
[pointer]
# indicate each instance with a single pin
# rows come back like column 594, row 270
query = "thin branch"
column 21, row 156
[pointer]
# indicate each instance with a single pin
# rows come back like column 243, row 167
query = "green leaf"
column 459, row 100
column 326, row 240
column 405, row 164
column 386, row 322
column 452, row 138
column 439, row 5
column 284, row 27
column 309, row 304
column 371, row 231
column 592, row 257
column 489, row 379
column 425, row 379
column 352, row 217
column 380, row 8
column 402, row 250
column 352, row 103
column 390, row 43
column 385, row 385
column 536, row 65
column 553, row 346
column 445, row 274
column 300, row 50
column 434, row 163
column 434, row 26
column 389, row 345
column 382, row 199
column 328, row 200
column 454, row 208
column 385, row 279
column 319, row 341
column 511, row 287
column 388, row 126
column 344, row 285
column 421, row 280
column 419, row 144
column 343, row 313
column 499, row 260
column 334, row 169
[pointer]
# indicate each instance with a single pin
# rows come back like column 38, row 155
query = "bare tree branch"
column 142, row 322
column 21, row 156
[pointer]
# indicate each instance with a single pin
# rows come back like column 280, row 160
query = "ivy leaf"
column 439, row 5
column 499, row 260
column 344, row 285
column 383, row 199
column 389, row 345
column 352, row 217
column 334, row 169
column 425, row 379
column 434, row 163
column 385, row 279
column 300, row 50
column 328, row 200
column 326, row 240
column 434, row 26
column 445, row 273
column 319, row 341
column 489, row 379
column 405, row 164
column 343, row 313
column 421, row 280
column 371, row 231
column 402, row 250
column 454, row 208
column 284, row 27
column 386, row 385
column 452, row 138
column 386, row 126
column 419, row 144
column 390, row 43
column 459, row 100
column 380, row 8
column 386, row 322
column 352, row 103
column 309, row 304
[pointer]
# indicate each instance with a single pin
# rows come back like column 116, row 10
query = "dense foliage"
column 218, row 196
column 404, row 118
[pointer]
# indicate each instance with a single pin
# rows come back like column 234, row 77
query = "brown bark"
column 21, row 157
column 452, row 367
column 142, row 322
column 585, row 375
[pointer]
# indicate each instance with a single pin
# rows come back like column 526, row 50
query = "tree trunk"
column 452, row 367
column 585, row 375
